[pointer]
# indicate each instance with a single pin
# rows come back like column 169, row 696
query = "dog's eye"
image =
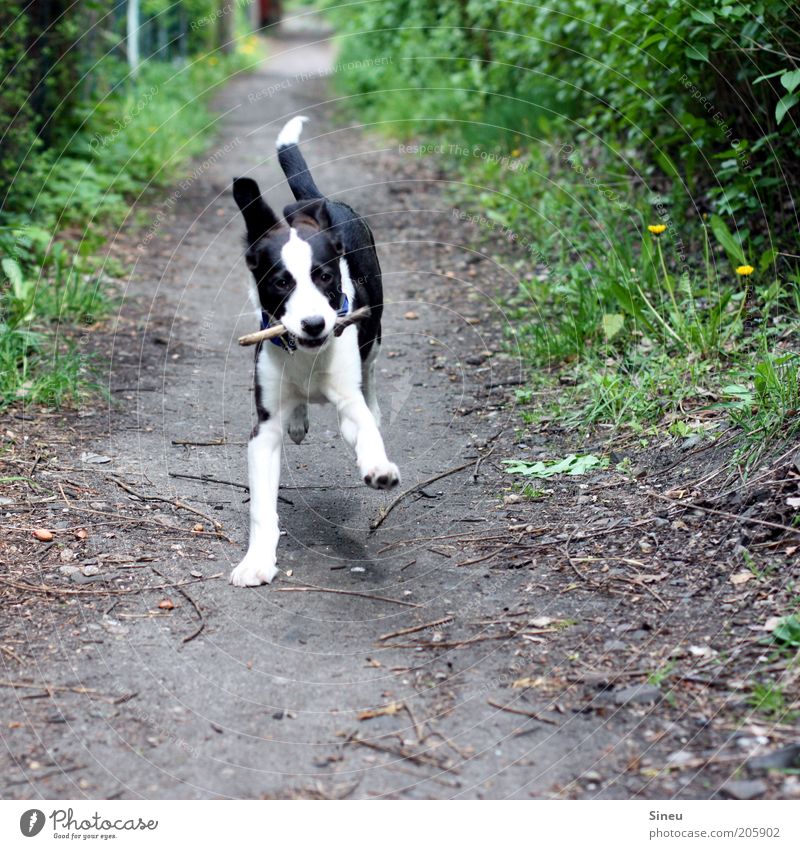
column 280, row 282
column 325, row 277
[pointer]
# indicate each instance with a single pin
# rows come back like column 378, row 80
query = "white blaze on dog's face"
column 295, row 263
column 307, row 313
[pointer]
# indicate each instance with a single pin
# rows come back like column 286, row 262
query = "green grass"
column 52, row 287
column 530, row 492
column 768, row 407
column 770, row 700
column 573, row 161
column 637, row 330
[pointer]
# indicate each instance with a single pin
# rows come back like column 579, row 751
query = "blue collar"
column 286, row 342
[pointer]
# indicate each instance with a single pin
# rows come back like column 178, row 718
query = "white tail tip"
column 290, row 134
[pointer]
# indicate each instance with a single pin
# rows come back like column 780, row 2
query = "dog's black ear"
column 258, row 217
column 314, row 212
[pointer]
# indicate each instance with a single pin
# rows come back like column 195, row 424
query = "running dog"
column 310, row 267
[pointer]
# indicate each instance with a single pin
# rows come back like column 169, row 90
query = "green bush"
column 642, row 157
column 704, row 98
column 118, row 135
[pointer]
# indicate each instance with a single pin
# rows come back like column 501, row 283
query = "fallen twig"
column 385, row 511
column 531, row 714
column 492, row 554
column 725, row 513
column 177, row 503
column 199, row 630
column 62, row 770
column 209, row 479
column 55, row 688
column 420, row 759
column 477, row 470
column 310, row 589
column 70, row 591
column 220, row 441
column 469, row 537
column 12, row 654
column 573, row 565
column 445, row 620
column 456, row 644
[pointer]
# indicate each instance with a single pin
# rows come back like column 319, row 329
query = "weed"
column 658, row 676
column 530, row 492
column 787, row 632
column 771, row 408
column 769, row 699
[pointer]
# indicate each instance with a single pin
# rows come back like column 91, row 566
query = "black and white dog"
column 315, row 264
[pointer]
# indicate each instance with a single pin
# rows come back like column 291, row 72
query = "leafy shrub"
column 705, row 98
column 643, row 159
column 117, row 136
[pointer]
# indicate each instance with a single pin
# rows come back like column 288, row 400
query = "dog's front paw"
column 254, row 570
column 382, row 476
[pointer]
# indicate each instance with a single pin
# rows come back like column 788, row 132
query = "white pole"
column 133, row 35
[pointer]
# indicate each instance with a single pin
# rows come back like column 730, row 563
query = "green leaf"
column 613, row 322
column 651, row 40
column 12, row 270
column 767, row 77
column 698, row 53
column 736, row 389
column 790, row 80
column 705, row 17
column 767, row 259
column 499, row 217
column 784, row 105
column 572, row 464
column 788, row 631
column 741, row 397
column 586, row 463
column 728, row 241
column 668, row 165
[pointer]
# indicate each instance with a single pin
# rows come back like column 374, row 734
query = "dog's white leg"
column 264, row 470
column 361, row 432
column 298, row 423
column 368, row 383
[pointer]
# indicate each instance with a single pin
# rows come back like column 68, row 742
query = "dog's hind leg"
column 264, row 469
column 298, row 423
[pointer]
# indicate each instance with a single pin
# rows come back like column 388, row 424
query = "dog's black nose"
column 314, row 325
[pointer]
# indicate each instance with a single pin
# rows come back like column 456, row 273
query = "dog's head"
column 295, row 263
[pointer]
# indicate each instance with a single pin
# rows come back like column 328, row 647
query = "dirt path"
column 298, row 693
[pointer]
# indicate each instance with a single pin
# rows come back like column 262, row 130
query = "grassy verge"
column 647, row 323
column 644, row 322
column 65, row 203
column 638, row 180
column 638, row 322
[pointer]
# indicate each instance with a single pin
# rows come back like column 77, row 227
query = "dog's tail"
column 294, row 166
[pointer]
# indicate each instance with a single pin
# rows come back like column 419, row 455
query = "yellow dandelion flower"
column 744, row 270
column 656, row 229
column 516, row 152
column 213, row 61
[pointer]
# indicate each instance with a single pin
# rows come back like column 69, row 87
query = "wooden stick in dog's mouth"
column 342, row 322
